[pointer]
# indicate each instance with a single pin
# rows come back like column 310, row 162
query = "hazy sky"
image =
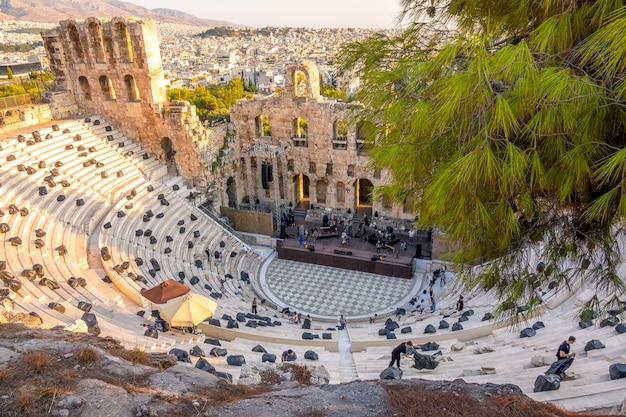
column 293, row 13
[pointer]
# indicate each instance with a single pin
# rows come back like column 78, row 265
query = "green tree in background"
column 508, row 134
column 9, row 73
column 8, row 90
column 211, row 102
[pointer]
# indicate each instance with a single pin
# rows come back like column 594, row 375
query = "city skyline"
column 321, row 14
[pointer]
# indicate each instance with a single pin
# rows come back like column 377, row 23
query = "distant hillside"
column 54, row 11
column 177, row 14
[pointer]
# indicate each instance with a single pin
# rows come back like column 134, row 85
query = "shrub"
column 87, row 355
column 299, row 373
column 36, row 361
column 270, row 377
column 25, row 398
column 135, row 356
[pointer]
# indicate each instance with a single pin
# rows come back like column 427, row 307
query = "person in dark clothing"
column 405, row 348
column 564, row 359
column 564, row 349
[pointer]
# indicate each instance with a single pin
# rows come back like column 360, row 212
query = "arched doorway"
column 364, row 188
column 168, row 150
column 231, row 192
column 301, row 189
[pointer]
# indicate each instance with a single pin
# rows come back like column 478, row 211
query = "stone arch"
column 124, row 44
column 300, row 128
column 94, row 33
column 132, row 92
column 76, row 45
column 167, row 146
column 106, row 86
column 320, row 191
column 364, row 136
column 387, row 203
column 364, row 188
column 231, row 192
column 85, row 88
column 340, row 129
column 340, row 134
column 299, row 82
column 302, row 80
column 263, row 128
column 301, row 187
column 341, row 193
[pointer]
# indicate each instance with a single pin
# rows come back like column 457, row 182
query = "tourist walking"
column 254, row 304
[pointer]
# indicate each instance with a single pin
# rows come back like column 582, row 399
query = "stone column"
column 313, row 189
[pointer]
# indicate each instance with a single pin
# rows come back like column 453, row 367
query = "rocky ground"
column 58, row 373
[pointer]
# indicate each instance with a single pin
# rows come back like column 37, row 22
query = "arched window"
column 122, row 36
column 106, row 86
column 132, row 93
column 320, row 190
column 299, row 83
column 95, row 42
column 340, row 134
column 75, row 45
column 85, row 88
column 231, row 192
column 300, row 128
column 364, row 136
column 167, row 146
column 263, row 126
column 341, row 193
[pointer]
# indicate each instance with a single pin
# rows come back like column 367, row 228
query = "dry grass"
column 26, row 398
column 135, row 356
column 36, row 361
column 87, row 355
column 270, row 377
column 6, row 375
column 225, row 392
column 299, row 373
column 416, row 400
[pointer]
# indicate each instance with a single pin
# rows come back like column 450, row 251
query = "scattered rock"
column 457, row 346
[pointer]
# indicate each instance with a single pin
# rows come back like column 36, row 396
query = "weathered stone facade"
column 299, row 146
column 113, row 68
column 292, row 147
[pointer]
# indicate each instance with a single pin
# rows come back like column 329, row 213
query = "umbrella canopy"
column 165, row 291
column 188, row 311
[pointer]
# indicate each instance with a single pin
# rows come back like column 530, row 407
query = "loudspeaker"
column 311, row 248
column 418, row 251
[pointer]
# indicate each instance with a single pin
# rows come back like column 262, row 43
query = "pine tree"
column 508, row 135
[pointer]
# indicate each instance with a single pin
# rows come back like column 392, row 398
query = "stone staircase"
column 347, row 368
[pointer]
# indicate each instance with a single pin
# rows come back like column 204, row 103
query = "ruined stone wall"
column 24, row 116
column 113, row 68
column 332, row 164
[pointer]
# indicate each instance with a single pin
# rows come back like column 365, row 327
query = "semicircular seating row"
column 54, row 196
